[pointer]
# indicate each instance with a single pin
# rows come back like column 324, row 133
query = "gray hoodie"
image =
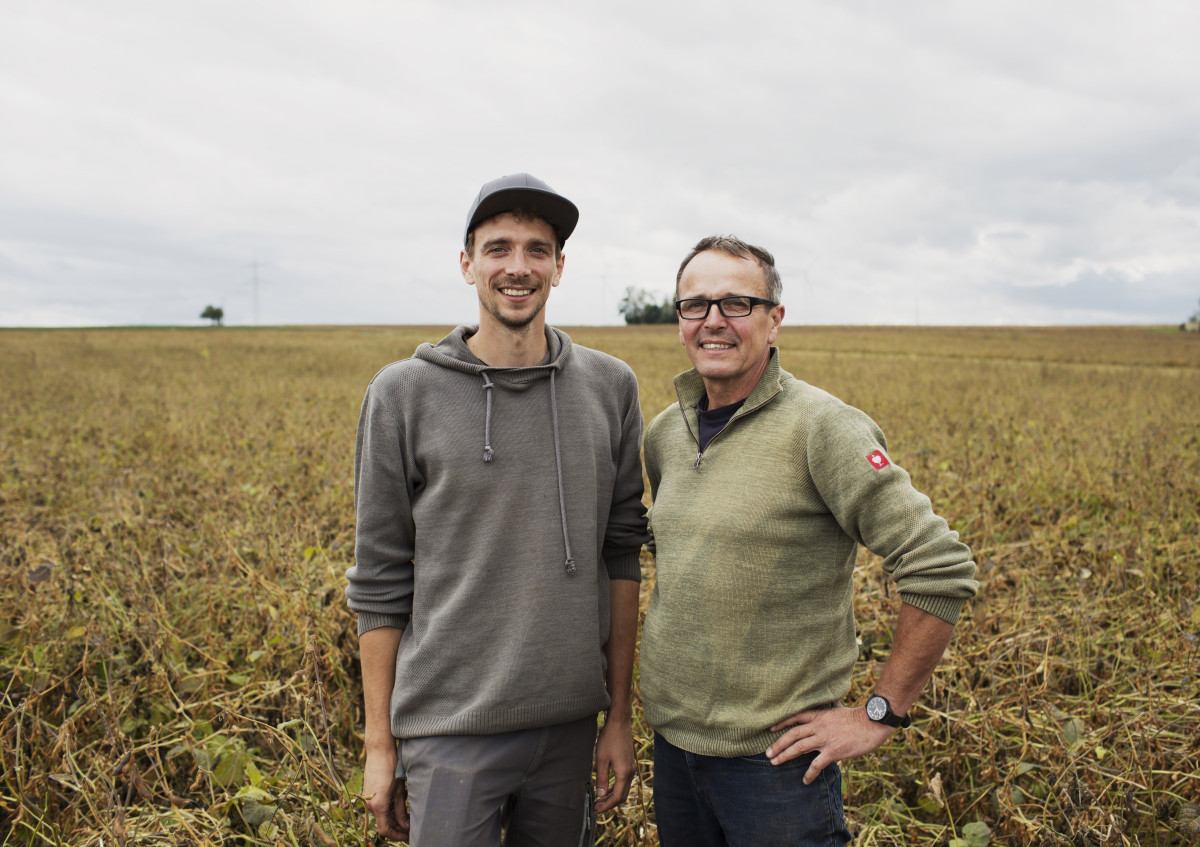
column 494, row 505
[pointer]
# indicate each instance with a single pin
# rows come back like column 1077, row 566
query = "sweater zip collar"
column 689, row 388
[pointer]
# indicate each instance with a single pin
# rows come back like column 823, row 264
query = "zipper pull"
column 699, row 456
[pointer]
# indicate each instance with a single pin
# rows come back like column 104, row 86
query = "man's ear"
column 464, row 266
column 562, row 259
column 776, row 320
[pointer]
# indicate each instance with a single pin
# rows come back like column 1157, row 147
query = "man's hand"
column 838, row 733
column 614, row 748
column 843, row 733
column 386, row 796
column 614, row 754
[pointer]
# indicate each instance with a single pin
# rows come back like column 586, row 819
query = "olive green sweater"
column 752, row 617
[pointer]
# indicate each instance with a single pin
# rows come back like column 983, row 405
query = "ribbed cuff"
column 946, row 608
column 368, row 621
column 625, row 566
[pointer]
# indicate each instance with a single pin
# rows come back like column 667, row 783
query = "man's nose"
column 714, row 318
column 517, row 265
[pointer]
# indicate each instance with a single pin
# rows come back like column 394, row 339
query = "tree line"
column 639, row 306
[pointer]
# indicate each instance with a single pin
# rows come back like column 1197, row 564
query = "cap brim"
column 560, row 212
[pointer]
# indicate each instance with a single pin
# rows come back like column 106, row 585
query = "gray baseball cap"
column 525, row 192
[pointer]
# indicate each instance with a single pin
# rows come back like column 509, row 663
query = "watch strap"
column 889, row 717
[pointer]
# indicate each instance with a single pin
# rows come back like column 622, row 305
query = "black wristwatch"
column 880, row 711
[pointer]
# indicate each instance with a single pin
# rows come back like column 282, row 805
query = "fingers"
column 400, row 808
column 833, row 734
column 623, row 781
column 611, row 795
column 378, row 806
column 601, row 774
column 792, row 721
column 615, row 766
column 797, row 743
column 606, row 795
column 793, row 743
column 818, row 765
column 605, row 802
column 807, row 716
column 389, row 808
column 388, row 825
column 778, row 754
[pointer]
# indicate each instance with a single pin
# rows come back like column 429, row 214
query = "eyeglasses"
column 696, row 308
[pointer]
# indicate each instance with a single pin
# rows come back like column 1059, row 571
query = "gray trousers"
column 538, row 780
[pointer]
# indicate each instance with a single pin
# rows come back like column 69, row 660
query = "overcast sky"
column 918, row 162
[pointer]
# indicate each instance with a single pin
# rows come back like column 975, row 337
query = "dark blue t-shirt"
column 713, row 421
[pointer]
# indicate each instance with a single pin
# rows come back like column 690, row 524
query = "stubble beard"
column 519, row 321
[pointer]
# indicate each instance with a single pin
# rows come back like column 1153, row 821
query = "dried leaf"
column 1073, row 732
column 935, row 790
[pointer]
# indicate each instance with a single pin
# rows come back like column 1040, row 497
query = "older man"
column 498, row 493
column 764, row 487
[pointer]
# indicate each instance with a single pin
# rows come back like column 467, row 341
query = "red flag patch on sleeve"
column 878, row 460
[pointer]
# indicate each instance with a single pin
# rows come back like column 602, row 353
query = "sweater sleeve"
column 875, row 503
column 381, row 581
column 653, row 475
column 657, row 432
column 626, row 530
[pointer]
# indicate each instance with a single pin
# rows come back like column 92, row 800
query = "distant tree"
column 214, row 314
column 1192, row 324
column 638, row 306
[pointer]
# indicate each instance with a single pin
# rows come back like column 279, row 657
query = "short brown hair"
column 734, row 246
column 519, row 214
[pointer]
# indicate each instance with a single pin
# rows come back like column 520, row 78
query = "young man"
column 763, row 487
column 498, row 495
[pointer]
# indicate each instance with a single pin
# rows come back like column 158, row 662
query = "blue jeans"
column 713, row 801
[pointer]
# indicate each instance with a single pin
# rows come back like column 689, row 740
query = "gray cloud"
column 930, row 161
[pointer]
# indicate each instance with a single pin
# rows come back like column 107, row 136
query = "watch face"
column 877, row 707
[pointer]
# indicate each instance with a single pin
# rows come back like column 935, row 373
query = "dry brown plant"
column 177, row 664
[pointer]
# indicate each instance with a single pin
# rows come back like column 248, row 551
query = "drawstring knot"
column 569, row 564
column 488, row 452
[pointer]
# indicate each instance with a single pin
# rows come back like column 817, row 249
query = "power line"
column 254, row 282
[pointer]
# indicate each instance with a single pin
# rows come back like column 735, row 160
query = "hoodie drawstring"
column 488, row 453
column 569, row 564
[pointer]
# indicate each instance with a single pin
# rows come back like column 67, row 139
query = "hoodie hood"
column 452, row 352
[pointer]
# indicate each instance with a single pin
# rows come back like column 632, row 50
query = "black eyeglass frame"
column 719, row 302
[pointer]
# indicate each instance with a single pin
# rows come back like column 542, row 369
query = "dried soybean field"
column 177, row 664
